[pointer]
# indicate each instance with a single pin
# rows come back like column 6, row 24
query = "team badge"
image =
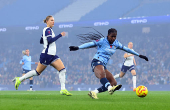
column 97, row 40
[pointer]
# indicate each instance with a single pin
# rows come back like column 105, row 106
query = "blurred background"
column 146, row 23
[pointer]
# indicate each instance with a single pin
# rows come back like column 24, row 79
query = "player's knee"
column 38, row 73
column 62, row 71
column 133, row 73
column 102, row 75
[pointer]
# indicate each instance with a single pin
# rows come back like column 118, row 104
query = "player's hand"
column 63, row 33
column 73, row 48
column 36, row 62
column 22, row 63
column 144, row 57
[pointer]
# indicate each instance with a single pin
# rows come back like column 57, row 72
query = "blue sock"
column 102, row 89
column 31, row 83
column 105, row 82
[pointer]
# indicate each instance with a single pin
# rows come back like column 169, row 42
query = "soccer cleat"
column 134, row 89
column 17, row 82
column 114, row 88
column 65, row 92
column 93, row 95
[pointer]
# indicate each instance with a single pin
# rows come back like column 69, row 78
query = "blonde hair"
column 47, row 18
column 23, row 52
column 129, row 43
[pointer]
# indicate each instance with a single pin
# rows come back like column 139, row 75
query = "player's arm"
column 83, row 46
column 22, row 61
column 124, row 48
column 48, row 34
column 87, row 45
column 126, row 55
column 134, row 61
column 34, row 62
column 41, row 40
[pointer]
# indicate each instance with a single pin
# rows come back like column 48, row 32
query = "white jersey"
column 49, row 49
column 129, row 60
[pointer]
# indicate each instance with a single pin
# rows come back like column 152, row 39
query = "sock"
column 28, row 75
column 116, row 76
column 62, row 78
column 101, row 89
column 134, row 81
column 105, row 83
column 96, row 91
column 31, row 84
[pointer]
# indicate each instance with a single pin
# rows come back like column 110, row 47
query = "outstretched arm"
column 83, row 46
column 132, row 52
column 124, row 48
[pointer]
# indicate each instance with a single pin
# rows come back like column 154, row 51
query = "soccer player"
column 48, row 57
column 128, row 65
column 26, row 65
column 106, row 47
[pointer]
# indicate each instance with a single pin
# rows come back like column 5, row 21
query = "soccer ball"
column 141, row 91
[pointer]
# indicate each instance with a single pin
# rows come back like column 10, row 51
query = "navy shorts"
column 125, row 68
column 46, row 59
column 25, row 71
column 96, row 62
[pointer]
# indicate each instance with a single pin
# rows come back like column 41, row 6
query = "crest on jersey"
column 49, row 31
column 97, row 40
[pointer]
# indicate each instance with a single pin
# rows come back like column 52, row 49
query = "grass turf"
column 52, row 100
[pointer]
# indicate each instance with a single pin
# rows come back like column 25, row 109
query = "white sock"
column 96, row 91
column 116, row 76
column 109, row 87
column 62, row 78
column 28, row 75
column 134, row 81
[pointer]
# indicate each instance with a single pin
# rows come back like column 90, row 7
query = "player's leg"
column 23, row 74
column 112, row 81
column 134, row 79
column 102, row 73
column 40, row 68
column 122, row 72
column 111, row 78
column 31, row 83
column 58, row 64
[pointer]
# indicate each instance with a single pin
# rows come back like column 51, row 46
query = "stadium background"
column 144, row 22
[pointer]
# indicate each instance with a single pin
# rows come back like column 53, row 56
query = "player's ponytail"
column 23, row 52
column 84, row 38
column 47, row 18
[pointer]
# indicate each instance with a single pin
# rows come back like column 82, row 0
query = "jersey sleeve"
column 119, row 45
column 98, row 42
column 48, row 32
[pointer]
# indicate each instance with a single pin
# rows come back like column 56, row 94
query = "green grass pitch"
column 52, row 100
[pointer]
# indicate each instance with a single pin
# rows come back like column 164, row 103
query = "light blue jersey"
column 27, row 62
column 105, row 50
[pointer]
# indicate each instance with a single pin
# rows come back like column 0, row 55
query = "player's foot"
column 134, row 89
column 65, row 92
column 93, row 95
column 17, row 82
column 31, row 89
column 114, row 88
